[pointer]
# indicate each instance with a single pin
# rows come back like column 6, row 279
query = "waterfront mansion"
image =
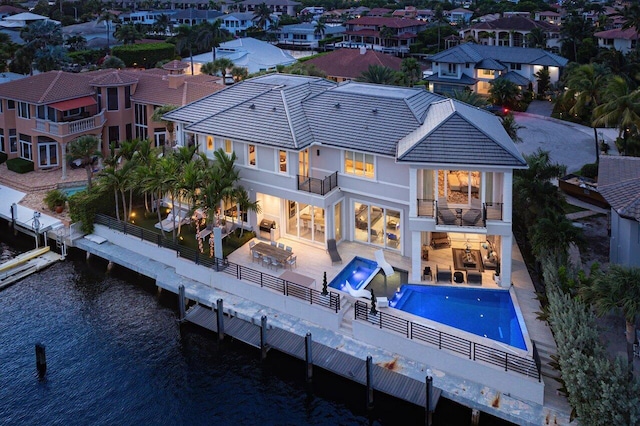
column 397, row 168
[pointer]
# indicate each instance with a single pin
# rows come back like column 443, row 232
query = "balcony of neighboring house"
column 71, row 125
column 316, row 185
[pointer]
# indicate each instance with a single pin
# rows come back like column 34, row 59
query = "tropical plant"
column 113, row 62
column 537, row 38
column 617, row 289
column 319, row 28
column 511, row 127
column 55, row 198
column 378, row 74
column 411, row 70
column 50, row 58
column 162, row 24
column 186, row 37
column 262, row 16
column 631, row 15
column 127, row 34
column 504, row 92
column 85, row 149
column 157, row 115
column 552, row 234
column 469, row 97
column 544, row 80
column 108, row 18
column 244, row 203
column 239, row 73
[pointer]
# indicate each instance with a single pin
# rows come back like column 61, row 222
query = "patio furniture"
column 256, row 256
column 374, row 234
column 281, row 245
column 427, row 273
column 382, row 263
column 446, row 217
column 443, row 274
column 458, row 277
column 471, row 217
column 357, row 293
column 289, row 249
column 172, row 221
column 272, row 252
column 474, row 277
column 252, row 243
column 273, row 243
column 276, row 263
column 332, row 249
column 292, row 261
column 382, row 302
column 394, row 240
column 440, row 240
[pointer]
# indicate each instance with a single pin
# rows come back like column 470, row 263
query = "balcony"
column 68, row 128
column 318, row 186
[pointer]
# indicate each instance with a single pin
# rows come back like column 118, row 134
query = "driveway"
column 568, row 143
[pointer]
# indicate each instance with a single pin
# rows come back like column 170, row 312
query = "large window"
column 25, row 147
column 159, row 136
column 251, row 155
column 282, row 158
column 114, row 136
column 47, row 152
column 459, row 186
column 23, row 110
column 2, row 148
column 141, row 121
column 127, row 97
column 227, row 146
column 112, row 98
column 13, row 141
column 44, row 112
column 359, row 164
column 377, row 225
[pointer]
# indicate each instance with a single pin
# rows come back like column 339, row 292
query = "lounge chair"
column 382, row 263
column 332, row 249
column 172, row 221
column 357, row 293
column 474, row 277
column 444, row 275
column 471, row 217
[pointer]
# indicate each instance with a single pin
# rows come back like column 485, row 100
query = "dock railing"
column 445, row 341
column 244, row 273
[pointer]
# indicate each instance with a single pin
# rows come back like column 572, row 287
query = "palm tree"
column 319, row 28
column 239, row 73
column 469, row 97
column 107, row 17
column 378, row 74
column 85, row 149
column 186, row 38
column 552, row 234
column 621, row 108
column 128, row 34
column 386, row 34
column 618, row 288
column 511, row 127
column 112, row 179
column 262, row 16
column 157, row 115
column 537, row 38
column 209, row 35
column 544, row 80
column 163, row 22
column 586, row 84
column 504, row 92
column 411, row 70
column 439, row 19
column 245, row 205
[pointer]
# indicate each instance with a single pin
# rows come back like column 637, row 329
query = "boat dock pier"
column 26, row 264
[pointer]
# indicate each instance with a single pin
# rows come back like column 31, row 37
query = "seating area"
column 172, row 221
column 273, row 255
column 444, row 274
column 440, row 240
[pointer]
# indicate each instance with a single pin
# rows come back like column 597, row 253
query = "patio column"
column 413, row 190
column 63, row 148
column 416, row 256
column 507, row 197
column 505, row 260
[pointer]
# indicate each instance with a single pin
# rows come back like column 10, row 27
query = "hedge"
column 3, row 157
column 144, row 55
column 20, row 165
column 84, row 205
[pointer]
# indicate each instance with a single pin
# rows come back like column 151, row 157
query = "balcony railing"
column 65, row 128
column 494, row 210
column 426, row 207
column 461, row 217
column 318, row 186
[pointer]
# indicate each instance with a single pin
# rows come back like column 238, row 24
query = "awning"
column 73, row 103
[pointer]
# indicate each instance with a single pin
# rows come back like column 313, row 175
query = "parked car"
column 497, row 110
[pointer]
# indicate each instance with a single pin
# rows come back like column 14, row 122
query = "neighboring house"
column 548, row 16
column 305, row 34
column 21, row 20
column 475, row 66
column 379, row 11
column 194, row 16
column 94, row 32
column 619, row 184
column 277, row 7
column 460, row 16
column 511, row 32
column 144, row 17
column 349, row 64
column 40, row 115
column 237, row 22
column 250, row 53
column 392, row 35
column 622, row 40
column 385, row 166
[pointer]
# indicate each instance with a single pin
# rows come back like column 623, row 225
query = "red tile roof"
column 387, row 22
column 113, row 78
column 628, row 34
column 48, row 87
column 516, row 23
column 350, row 63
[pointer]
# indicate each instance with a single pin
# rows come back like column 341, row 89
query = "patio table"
column 281, row 255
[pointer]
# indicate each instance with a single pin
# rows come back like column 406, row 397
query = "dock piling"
column 308, row 356
column 41, row 359
column 369, row 382
column 109, row 266
column 429, row 403
column 220, row 318
column 475, row 417
column 181, row 303
column 263, row 337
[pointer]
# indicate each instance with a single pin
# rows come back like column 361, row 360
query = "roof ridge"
column 51, row 86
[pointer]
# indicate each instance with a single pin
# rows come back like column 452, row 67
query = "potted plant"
column 55, row 200
column 604, row 147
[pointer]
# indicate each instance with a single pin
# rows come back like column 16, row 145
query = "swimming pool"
column 72, row 190
column 485, row 313
column 358, row 272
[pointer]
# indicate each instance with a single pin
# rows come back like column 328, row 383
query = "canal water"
column 116, row 355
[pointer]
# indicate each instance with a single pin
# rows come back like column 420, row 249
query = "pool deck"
column 313, row 262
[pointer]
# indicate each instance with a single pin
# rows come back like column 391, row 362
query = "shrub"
column 144, row 55
column 84, row 205
column 3, row 157
column 55, row 198
column 589, row 171
column 20, row 165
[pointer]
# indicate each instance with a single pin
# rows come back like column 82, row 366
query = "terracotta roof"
column 619, row 184
column 12, row 10
column 48, row 87
column 175, row 65
column 350, row 63
column 113, row 78
column 628, row 34
column 387, row 22
column 516, row 23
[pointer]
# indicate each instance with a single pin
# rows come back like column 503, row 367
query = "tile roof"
column 48, row 87
column 114, row 78
column 293, row 112
column 516, row 78
column 619, row 184
column 516, row 23
column 351, row 63
column 474, row 53
column 628, row 34
column 387, row 22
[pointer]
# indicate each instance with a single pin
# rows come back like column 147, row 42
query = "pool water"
column 359, row 272
column 486, row 313
column 71, row 191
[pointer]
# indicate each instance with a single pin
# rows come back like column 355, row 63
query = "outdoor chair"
column 292, row 262
column 281, row 245
column 332, row 249
column 289, row 249
column 273, row 243
column 266, row 261
column 427, row 273
column 474, row 277
column 458, row 277
column 276, row 264
column 444, row 274
column 256, row 256
column 252, row 243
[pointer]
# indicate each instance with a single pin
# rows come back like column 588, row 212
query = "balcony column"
column 416, row 256
column 63, row 152
column 507, row 196
column 413, row 189
column 506, row 246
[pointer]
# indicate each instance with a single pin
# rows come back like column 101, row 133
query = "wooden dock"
column 26, row 264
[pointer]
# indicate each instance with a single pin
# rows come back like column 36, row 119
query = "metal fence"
column 331, row 300
column 529, row 367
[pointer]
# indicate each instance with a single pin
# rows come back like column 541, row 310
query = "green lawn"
column 187, row 236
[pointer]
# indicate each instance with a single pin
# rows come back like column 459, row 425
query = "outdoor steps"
column 348, row 313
